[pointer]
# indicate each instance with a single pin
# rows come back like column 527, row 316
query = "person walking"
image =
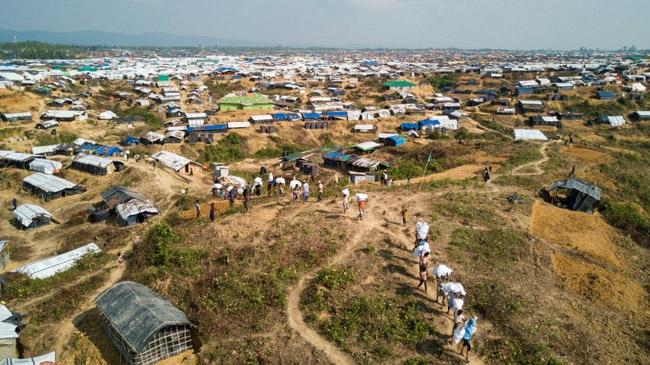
column 486, row 175
column 232, row 195
column 120, row 258
column 470, row 331
column 424, row 261
column 213, row 212
column 305, row 191
column 321, row 190
column 459, row 320
column 403, row 214
column 247, row 193
column 346, row 199
column 258, row 186
column 269, row 184
column 362, row 208
column 197, row 207
column 572, row 174
column 14, row 204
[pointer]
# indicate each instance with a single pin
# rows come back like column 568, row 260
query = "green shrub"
column 332, row 278
column 228, row 149
column 149, row 117
column 629, row 218
column 443, row 81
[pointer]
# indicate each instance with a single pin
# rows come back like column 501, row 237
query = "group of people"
column 361, row 199
column 452, row 293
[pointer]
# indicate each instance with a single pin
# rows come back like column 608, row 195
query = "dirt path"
column 295, row 315
column 68, row 327
column 456, row 173
column 517, row 171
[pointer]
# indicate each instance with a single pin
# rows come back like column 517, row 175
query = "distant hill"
column 97, row 38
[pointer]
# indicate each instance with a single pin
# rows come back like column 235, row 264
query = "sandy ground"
column 598, row 284
column 586, row 154
column 587, row 233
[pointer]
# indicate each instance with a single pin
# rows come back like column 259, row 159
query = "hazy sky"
column 522, row 24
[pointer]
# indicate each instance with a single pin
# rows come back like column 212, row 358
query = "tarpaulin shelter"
column 96, row 165
column 128, row 206
column 30, row 216
column 50, row 266
column 49, row 187
column 144, row 327
column 579, row 195
column 15, row 159
column 409, row 126
column 45, row 166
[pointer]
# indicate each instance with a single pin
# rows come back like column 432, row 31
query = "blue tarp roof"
column 428, row 122
column 208, row 128
column 336, row 155
column 113, row 150
column 280, row 116
column 311, row 115
column 88, row 147
column 336, row 114
column 130, row 140
column 409, row 126
column 399, row 140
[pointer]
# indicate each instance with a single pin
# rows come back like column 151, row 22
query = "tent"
column 49, row 358
column 107, row 115
column 49, row 187
column 50, row 266
column 579, row 195
column 529, row 135
column 45, row 166
column 30, row 216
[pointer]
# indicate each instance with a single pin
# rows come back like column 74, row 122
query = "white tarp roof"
column 5, row 313
column 92, row 160
column 364, row 127
column 15, row 156
column 171, row 160
column 261, row 118
column 615, row 121
column 107, row 115
column 234, row 125
column 368, row 145
column 49, row 183
column 45, row 166
column 26, row 213
column 51, row 357
column 47, row 267
column 196, row 115
column 7, row 331
column 529, row 135
column 62, row 114
column 133, row 207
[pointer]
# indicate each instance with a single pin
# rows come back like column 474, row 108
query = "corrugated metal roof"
column 591, row 190
column 137, row 313
column 49, row 183
column 47, row 267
